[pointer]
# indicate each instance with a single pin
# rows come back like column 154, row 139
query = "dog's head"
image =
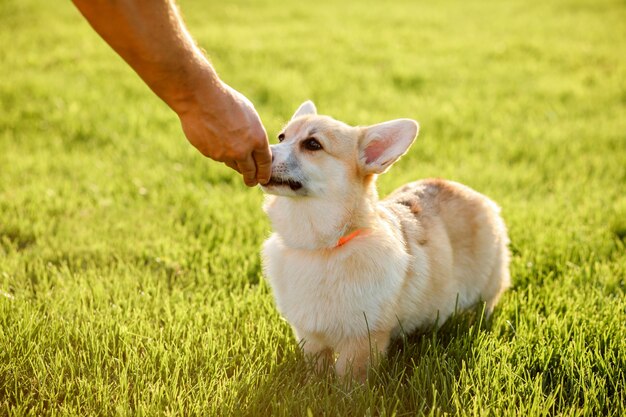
column 319, row 156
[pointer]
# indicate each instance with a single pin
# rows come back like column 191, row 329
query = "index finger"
column 263, row 159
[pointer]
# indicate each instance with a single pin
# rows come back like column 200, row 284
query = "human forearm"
column 150, row 36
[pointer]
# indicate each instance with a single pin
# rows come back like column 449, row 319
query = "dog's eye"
column 281, row 137
column 312, row 144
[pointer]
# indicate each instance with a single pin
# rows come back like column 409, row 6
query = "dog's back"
column 464, row 239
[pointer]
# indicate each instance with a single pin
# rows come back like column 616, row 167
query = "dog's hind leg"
column 499, row 281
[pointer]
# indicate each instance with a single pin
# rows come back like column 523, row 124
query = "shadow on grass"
column 425, row 367
column 420, row 373
column 16, row 237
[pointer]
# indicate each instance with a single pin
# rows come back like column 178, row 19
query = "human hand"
column 224, row 126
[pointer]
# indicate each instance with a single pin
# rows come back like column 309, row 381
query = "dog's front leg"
column 356, row 354
column 317, row 351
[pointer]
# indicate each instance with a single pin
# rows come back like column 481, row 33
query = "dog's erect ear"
column 305, row 108
column 381, row 145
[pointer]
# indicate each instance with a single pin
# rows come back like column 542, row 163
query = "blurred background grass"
column 129, row 270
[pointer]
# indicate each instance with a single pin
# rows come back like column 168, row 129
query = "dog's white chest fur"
column 336, row 293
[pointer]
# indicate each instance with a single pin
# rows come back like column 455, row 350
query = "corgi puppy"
column 349, row 271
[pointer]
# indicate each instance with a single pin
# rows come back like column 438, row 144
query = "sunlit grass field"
column 130, row 277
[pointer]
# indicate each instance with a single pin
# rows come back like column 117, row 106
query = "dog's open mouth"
column 294, row 185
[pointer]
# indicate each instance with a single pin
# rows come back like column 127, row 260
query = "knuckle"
column 260, row 143
column 264, row 163
column 238, row 153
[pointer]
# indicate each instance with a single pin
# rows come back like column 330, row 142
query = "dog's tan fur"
column 428, row 248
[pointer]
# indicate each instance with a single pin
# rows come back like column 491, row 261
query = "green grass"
column 130, row 278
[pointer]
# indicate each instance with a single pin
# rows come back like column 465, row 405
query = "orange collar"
column 347, row 238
